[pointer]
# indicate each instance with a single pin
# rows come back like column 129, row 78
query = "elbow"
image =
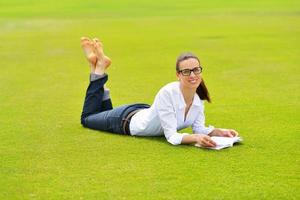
column 174, row 140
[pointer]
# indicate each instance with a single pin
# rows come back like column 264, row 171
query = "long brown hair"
column 202, row 89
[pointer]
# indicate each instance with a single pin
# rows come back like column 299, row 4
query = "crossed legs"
column 98, row 112
column 97, row 96
column 94, row 53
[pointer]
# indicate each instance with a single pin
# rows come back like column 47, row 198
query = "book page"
column 222, row 142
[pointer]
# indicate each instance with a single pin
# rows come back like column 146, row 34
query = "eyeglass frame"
column 190, row 71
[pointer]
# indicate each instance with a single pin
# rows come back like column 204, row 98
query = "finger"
column 210, row 143
column 227, row 134
column 205, row 143
column 234, row 133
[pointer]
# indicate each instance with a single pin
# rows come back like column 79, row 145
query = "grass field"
column 250, row 55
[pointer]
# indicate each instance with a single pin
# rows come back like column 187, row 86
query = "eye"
column 186, row 71
column 197, row 70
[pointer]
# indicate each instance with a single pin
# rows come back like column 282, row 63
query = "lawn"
column 250, row 56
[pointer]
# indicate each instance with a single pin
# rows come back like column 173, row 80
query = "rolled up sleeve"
column 199, row 124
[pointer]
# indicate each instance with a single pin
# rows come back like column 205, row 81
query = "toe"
column 86, row 44
column 98, row 50
column 96, row 40
column 83, row 39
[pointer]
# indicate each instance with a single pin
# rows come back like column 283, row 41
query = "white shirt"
column 166, row 116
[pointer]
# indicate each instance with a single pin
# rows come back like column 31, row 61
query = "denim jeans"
column 100, row 115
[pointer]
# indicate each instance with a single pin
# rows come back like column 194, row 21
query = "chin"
column 193, row 86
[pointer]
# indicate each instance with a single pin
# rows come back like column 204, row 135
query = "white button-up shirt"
column 166, row 116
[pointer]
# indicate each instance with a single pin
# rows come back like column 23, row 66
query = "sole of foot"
column 103, row 62
column 89, row 51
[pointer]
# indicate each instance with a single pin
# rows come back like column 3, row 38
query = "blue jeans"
column 100, row 115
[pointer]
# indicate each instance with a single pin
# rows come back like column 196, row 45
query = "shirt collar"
column 197, row 100
column 182, row 104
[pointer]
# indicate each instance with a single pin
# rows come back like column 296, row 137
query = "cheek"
column 184, row 80
column 200, row 78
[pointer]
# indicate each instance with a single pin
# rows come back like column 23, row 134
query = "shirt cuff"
column 176, row 138
column 205, row 130
column 209, row 129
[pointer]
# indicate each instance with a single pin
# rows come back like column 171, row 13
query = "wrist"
column 214, row 132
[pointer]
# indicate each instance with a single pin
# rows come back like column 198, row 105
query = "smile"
column 193, row 81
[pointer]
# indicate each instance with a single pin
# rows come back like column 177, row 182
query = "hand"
column 224, row 132
column 205, row 141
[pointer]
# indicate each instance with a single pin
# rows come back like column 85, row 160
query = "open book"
column 222, row 142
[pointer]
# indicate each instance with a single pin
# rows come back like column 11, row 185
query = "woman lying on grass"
column 176, row 106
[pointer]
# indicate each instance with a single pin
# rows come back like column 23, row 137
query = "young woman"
column 176, row 106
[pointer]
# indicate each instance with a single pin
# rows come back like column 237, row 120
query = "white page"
column 222, row 142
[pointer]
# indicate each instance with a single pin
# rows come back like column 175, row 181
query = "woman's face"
column 193, row 80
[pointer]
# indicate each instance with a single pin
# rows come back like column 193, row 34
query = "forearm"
column 214, row 132
column 189, row 139
column 223, row 132
column 202, row 139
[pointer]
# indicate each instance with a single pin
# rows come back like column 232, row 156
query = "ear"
column 178, row 75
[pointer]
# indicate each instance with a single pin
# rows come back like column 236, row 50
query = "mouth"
column 193, row 81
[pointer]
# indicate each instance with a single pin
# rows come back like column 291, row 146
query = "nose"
column 192, row 74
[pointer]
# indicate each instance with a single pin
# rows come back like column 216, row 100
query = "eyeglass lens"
column 196, row 70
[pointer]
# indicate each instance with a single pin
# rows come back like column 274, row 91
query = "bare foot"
column 89, row 50
column 103, row 61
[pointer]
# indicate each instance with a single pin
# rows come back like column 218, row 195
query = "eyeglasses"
column 187, row 72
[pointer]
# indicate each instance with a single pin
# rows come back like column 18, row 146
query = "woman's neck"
column 188, row 94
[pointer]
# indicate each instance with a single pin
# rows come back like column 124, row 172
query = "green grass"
column 250, row 54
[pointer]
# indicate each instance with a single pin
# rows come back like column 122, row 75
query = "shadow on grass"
column 158, row 139
column 162, row 139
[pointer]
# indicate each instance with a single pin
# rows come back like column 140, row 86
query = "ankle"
column 92, row 68
column 99, row 70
